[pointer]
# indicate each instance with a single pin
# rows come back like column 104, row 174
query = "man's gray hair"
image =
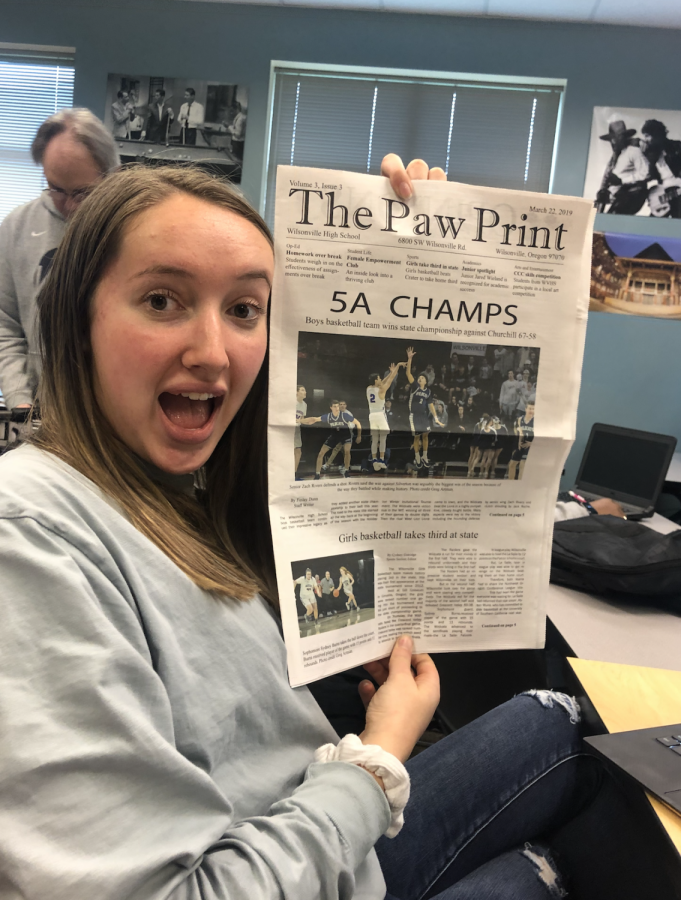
column 85, row 128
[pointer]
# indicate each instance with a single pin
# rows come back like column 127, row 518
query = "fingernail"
column 405, row 641
column 405, row 190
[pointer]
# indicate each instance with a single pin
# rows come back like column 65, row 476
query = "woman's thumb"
column 400, row 658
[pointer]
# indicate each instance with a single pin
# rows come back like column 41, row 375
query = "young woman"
column 347, row 581
column 310, row 591
column 151, row 745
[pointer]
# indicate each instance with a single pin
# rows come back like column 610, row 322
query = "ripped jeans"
column 481, row 795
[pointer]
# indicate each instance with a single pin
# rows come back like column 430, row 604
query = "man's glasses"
column 76, row 196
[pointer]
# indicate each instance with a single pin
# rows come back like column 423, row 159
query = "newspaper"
column 424, row 375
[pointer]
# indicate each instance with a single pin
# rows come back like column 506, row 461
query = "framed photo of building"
column 636, row 276
column 634, row 166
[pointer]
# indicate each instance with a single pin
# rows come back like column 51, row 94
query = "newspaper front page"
column 424, row 376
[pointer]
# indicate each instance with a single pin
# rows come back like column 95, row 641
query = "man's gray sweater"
column 29, row 237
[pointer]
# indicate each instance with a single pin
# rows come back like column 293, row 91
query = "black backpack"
column 621, row 560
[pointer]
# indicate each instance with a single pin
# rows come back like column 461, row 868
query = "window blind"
column 32, row 87
column 480, row 132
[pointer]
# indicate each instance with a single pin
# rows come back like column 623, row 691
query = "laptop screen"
column 625, row 463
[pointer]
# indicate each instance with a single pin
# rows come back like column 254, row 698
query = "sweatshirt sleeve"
column 14, row 380
column 95, row 799
column 569, row 510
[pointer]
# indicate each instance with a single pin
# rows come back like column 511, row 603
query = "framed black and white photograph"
column 159, row 118
column 634, row 166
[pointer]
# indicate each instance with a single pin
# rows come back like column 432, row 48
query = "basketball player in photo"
column 421, row 409
column 309, row 594
column 347, row 581
column 301, row 412
column 339, row 432
column 524, row 430
column 378, row 421
column 343, row 406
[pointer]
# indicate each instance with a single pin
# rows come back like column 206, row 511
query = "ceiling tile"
column 335, row 4
column 576, row 10
column 655, row 13
column 242, row 2
column 443, row 7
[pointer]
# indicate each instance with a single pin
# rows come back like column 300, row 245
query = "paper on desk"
column 435, row 515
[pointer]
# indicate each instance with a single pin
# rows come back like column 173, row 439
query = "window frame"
column 422, row 76
column 37, row 55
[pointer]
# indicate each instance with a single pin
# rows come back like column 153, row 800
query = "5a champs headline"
column 319, row 208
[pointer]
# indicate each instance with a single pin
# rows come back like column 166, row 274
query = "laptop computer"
column 625, row 465
column 651, row 756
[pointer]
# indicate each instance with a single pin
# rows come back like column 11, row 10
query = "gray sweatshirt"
column 151, row 746
column 29, row 236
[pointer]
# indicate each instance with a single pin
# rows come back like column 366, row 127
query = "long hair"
column 223, row 543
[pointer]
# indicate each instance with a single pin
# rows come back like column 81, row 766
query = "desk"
column 633, row 635
column 629, row 697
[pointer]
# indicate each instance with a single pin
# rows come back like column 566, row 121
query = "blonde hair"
column 222, row 542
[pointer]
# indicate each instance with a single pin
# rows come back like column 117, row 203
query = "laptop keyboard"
column 673, row 742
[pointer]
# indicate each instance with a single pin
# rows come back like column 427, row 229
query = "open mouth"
column 189, row 410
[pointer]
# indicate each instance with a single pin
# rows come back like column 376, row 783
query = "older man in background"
column 75, row 151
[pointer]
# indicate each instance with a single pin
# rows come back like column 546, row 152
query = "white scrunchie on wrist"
column 377, row 760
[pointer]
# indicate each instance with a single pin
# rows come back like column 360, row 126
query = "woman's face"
column 422, row 381
column 179, row 329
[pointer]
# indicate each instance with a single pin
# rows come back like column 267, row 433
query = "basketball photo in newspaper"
column 431, row 409
column 333, row 592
